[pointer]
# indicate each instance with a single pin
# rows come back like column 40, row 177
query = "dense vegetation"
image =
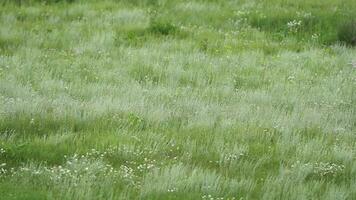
column 177, row 99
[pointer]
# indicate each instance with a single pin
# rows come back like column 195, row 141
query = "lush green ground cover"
column 177, row 99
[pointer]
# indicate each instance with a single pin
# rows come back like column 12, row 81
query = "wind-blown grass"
column 176, row 100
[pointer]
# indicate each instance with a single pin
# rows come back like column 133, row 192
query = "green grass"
column 145, row 99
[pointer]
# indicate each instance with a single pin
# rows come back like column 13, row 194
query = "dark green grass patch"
column 21, row 125
column 347, row 33
column 38, row 150
column 162, row 27
column 131, row 37
column 306, row 22
column 8, row 45
column 16, row 191
column 158, row 27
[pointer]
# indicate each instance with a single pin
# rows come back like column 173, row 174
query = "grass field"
column 177, row 99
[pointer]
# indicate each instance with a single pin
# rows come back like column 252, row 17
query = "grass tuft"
column 347, row 33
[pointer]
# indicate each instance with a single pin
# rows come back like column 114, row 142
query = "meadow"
column 178, row 99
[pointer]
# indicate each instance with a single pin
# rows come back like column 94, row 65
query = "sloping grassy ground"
column 177, row 100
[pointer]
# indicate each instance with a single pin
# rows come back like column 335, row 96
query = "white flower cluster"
column 134, row 152
column 75, row 169
column 128, row 175
column 90, row 166
column 2, row 169
column 315, row 36
column 321, row 169
column 232, row 157
column 146, row 165
column 326, row 169
column 126, row 172
column 172, row 190
column 294, row 26
column 243, row 13
column 304, row 14
column 2, row 165
column 131, row 170
column 93, row 153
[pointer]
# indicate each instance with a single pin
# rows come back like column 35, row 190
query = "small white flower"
column 294, row 25
column 315, row 36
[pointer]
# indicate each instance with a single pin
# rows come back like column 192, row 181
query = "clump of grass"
column 8, row 45
column 163, row 27
column 159, row 25
column 136, row 36
column 131, row 37
column 347, row 33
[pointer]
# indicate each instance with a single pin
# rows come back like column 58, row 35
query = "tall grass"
column 177, row 100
